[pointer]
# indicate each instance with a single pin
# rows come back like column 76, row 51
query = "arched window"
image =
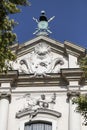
column 39, row 125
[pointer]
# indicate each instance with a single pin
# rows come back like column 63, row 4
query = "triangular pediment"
column 43, row 55
column 66, row 47
column 29, row 46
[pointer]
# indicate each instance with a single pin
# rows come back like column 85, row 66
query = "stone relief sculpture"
column 31, row 103
column 24, row 66
column 40, row 61
column 31, row 106
column 34, row 106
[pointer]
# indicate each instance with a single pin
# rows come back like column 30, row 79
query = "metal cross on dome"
column 42, row 24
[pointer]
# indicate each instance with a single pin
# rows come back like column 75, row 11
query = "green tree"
column 7, row 37
column 83, row 66
column 81, row 100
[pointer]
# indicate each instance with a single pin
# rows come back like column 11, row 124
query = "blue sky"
column 70, row 21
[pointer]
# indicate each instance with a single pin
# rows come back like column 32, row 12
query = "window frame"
column 38, row 122
column 53, row 121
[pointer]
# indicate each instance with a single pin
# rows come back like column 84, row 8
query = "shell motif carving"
column 40, row 61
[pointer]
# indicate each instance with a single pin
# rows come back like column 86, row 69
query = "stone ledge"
column 38, row 111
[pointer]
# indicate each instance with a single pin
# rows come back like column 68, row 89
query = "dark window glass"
column 38, row 126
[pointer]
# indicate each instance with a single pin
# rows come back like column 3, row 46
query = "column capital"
column 5, row 95
column 71, row 94
column 5, row 91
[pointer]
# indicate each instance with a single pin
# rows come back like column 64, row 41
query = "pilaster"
column 74, row 118
column 5, row 96
column 6, row 81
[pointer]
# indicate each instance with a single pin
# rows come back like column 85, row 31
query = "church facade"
column 37, row 93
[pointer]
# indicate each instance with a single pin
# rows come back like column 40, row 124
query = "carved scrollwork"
column 40, row 61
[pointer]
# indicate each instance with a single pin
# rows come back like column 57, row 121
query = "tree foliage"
column 7, row 37
column 83, row 66
column 81, row 101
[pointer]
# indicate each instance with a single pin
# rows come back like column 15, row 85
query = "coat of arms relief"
column 39, row 62
column 33, row 105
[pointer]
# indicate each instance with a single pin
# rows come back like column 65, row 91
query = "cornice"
column 50, row 79
column 29, row 80
column 29, row 46
column 14, row 48
column 9, row 77
column 72, row 74
column 64, row 49
column 74, row 49
column 39, row 38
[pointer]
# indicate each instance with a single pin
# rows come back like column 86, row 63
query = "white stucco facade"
column 40, row 88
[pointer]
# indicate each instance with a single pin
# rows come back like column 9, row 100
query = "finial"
column 43, row 12
column 43, row 17
column 42, row 24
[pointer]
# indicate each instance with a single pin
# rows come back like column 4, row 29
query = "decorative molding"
column 9, row 77
column 74, row 49
column 25, row 80
column 63, row 49
column 23, row 49
column 31, row 103
column 72, row 74
column 33, row 106
column 73, row 93
column 40, row 61
column 33, row 113
column 5, row 94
